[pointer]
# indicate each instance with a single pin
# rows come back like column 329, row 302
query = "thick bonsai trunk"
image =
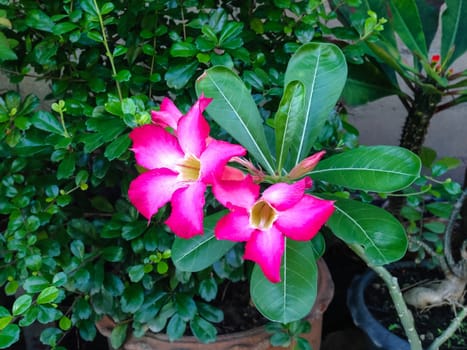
column 414, row 133
column 418, row 120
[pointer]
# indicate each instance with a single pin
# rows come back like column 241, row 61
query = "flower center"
column 189, row 168
column 262, row 215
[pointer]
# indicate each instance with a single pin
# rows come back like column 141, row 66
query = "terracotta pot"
column 256, row 338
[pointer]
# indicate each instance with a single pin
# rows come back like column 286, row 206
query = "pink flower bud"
column 305, row 166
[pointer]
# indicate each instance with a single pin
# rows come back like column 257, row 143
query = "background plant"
column 73, row 248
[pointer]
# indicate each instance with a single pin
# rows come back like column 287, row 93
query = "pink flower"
column 263, row 222
column 179, row 167
column 168, row 114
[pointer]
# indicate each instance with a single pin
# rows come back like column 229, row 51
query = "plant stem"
column 448, row 332
column 108, row 53
column 403, row 312
column 449, row 229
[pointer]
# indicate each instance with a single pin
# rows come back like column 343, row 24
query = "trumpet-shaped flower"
column 283, row 210
column 179, row 167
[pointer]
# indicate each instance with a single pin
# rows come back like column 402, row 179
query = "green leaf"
column 380, row 234
column 9, row 335
column 178, row 75
column 35, row 284
column 234, row 109
column 6, row 52
column 46, row 121
column 204, row 331
column 132, row 298
column 429, row 13
column 288, row 120
column 293, row 297
column 39, row 20
column 21, row 305
column 322, row 69
column 65, row 323
column 77, row 249
column 5, row 321
column 230, row 37
column 67, row 166
column 136, row 273
column 50, row 336
column 280, row 339
column 134, row 230
column 48, row 295
column 408, row 25
column 82, row 309
column 123, row 75
column 197, row 253
column 210, row 312
column 183, row 49
column 118, row 335
column 454, row 27
column 117, row 147
column 108, row 128
column 208, row 289
column 113, row 254
column 176, row 328
column 186, row 306
column 372, row 168
column 107, row 8
column 96, row 36
column 62, row 28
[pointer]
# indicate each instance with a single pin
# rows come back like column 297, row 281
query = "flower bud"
column 305, row 166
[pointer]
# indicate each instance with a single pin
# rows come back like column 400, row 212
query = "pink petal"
column 283, row 196
column 193, row 129
column 215, row 157
column 241, row 194
column 168, row 115
column 266, row 249
column 186, row 218
column 152, row 190
column 232, row 174
column 154, row 147
column 235, row 226
column 303, row 221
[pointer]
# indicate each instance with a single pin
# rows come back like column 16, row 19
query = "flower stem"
column 392, row 284
column 108, row 53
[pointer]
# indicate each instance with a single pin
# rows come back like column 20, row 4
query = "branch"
column 449, row 228
column 448, row 332
column 405, row 315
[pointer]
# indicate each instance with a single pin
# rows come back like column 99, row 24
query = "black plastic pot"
column 380, row 336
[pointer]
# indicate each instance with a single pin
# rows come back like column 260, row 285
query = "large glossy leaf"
column 293, row 297
column 199, row 252
column 288, row 120
column 454, row 27
column 322, row 69
column 429, row 13
column 380, row 234
column 370, row 168
column 368, row 82
column 408, row 25
column 234, row 109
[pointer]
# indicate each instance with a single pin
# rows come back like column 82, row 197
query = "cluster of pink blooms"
column 181, row 160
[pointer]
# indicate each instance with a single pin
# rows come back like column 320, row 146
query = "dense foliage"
column 72, row 248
